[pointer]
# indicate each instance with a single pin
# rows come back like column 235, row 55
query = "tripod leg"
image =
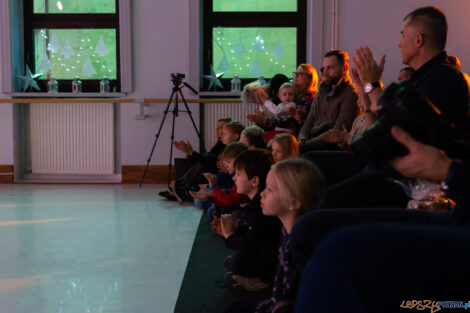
column 175, row 113
column 156, row 137
column 192, row 120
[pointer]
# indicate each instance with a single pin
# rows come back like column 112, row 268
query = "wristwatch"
column 368, row 87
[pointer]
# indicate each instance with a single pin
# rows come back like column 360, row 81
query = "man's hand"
column 249, row 283
column 367, row 68
column 335, row 135
column 184, row 147
column 422, row 161
column 228, row 226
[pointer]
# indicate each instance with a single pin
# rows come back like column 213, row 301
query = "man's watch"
column 368, row 87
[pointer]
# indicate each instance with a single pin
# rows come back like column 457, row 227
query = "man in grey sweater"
column 334, row 106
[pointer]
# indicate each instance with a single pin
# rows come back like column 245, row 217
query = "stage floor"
column 92, row 248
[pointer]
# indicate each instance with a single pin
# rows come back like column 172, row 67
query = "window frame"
column 34, row 21
column 249, row 19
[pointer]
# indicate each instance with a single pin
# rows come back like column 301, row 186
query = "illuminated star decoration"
column 29, row 79
column 214, row 79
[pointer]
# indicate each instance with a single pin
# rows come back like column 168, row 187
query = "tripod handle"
column 191, row 88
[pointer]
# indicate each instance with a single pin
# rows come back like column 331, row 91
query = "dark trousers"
column 252, row 265
column 313, row 227
column 379, row 268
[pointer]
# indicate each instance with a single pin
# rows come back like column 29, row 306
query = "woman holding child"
column 305, row 81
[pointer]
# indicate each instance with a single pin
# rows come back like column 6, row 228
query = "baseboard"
column 131, row 174
column 6, row 174
column 156, row 174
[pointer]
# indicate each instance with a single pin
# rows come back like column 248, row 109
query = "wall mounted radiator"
column 72, row 138
column 215, row 111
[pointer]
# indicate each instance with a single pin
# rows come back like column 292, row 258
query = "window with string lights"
column 250, row 39
column 68, row 39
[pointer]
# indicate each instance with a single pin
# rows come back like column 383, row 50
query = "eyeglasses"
column 295, row 74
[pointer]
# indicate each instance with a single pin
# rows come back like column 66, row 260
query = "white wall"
column 160, row 37
column 161, row 45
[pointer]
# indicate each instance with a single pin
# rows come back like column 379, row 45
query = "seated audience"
column 257, row 238
column 284, row 147
column 230, row 132
column 422, row 47
column 218, row 194
column 293, row 187
column 370, row 268
column 200, row 163
column 333, row 107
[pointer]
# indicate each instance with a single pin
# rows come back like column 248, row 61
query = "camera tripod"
column 174, row 94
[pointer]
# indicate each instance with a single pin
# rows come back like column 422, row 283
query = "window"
column 252, row 38
column 67, row 38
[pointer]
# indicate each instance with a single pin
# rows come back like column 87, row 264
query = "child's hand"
column 249, row 283
column 259, row 118
column 184, row 147
column 200, row 195
column 221, row 164
column 216, row 226
column 260, row 96
column 227, row 225
column 211, row 178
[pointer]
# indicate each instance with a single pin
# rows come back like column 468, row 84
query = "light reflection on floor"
column 92, row 248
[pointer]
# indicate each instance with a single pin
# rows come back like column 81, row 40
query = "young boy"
column 256, row 239
column 231, row 132
column 253, row 137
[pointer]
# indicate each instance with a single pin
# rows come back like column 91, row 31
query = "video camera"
column 177, row 78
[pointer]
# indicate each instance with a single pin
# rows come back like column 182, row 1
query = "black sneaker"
column 165, row 194
column 181, row 194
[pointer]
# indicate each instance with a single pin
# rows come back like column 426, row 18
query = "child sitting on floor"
column 230, row 133
column 214, row 195
column 293, row 187
column 284, row 146
column 256, row 238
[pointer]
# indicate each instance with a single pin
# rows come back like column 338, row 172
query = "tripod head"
column 177, row 79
